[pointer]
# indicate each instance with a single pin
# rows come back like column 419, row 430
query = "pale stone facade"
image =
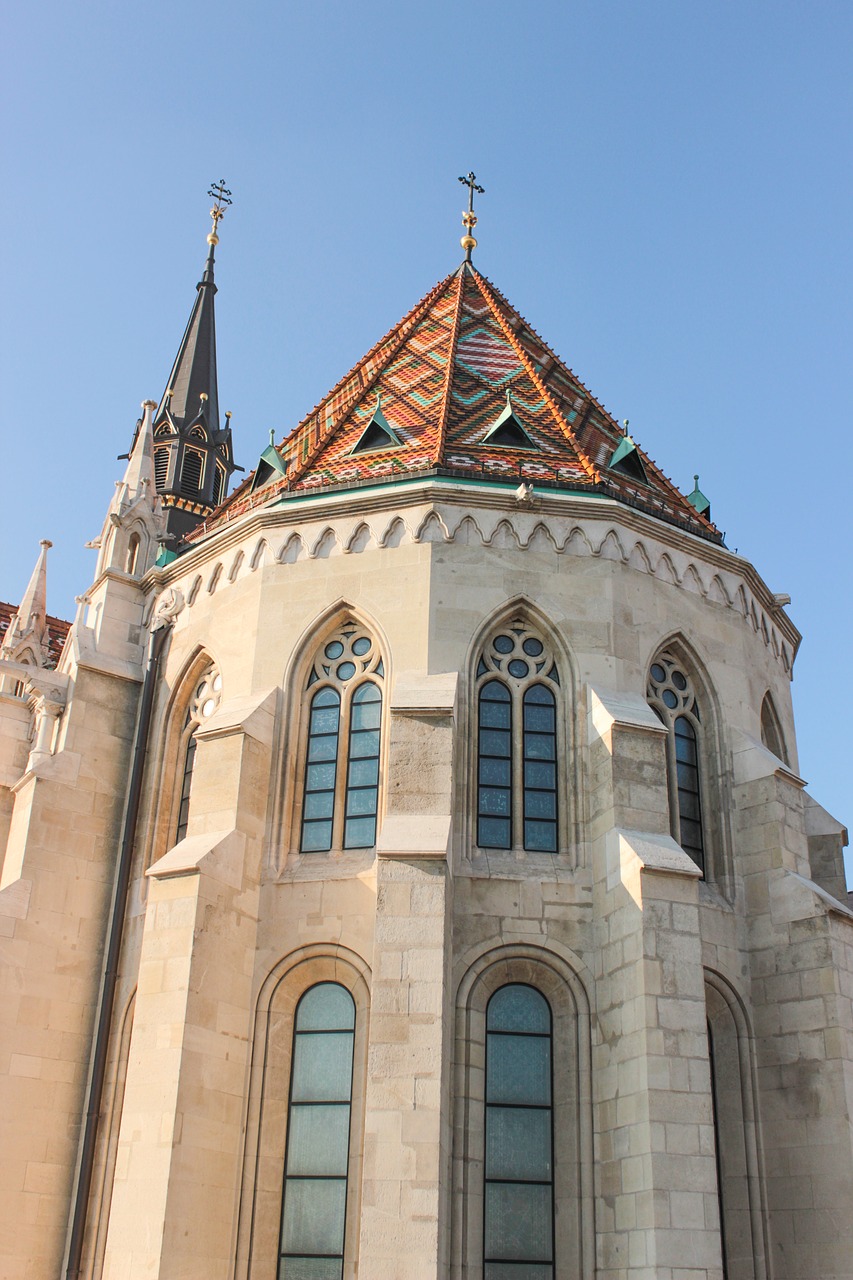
column 655, row 1126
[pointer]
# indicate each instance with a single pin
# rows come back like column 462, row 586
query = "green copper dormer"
column 698, row 500
column 193, row 457
column 378, row 434
column 507, row 430
column 627, row 460
column 271, row 466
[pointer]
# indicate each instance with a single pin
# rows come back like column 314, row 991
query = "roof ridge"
column 593, row 399
column 563, row 425
column 459, row 276
column 661, row 475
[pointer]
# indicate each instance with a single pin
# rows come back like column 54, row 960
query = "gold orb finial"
column 469, row 217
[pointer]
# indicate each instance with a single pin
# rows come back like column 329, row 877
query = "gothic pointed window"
column 340, row 801
column 205, row 700
column 771, row 730
column 313, row 1218
column 672, row 695
column 518, row 1167
column 517, row 742
column 132, row 558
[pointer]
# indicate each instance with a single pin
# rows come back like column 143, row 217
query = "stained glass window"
column 341, row 792
column 204, row 702
column 313, row 1218
column 519, row 1172
column 517, row 774
column 672, row 696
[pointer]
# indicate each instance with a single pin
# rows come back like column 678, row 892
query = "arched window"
column 313, row 1216
column 771, row 730
column 672, row 695
column 340, row 801
column 132, row 553
column 735, row 1146
column 518, row 1236
column 204, row 702
column 517, row 754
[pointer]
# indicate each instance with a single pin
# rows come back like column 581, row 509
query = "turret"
column 193, row 458
column 27, row 637
column 135, row 522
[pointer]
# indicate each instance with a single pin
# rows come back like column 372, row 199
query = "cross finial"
column 469, row 217
column 221, row 198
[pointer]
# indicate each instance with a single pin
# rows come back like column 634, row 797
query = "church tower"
column 193, row 458
column 412, row 877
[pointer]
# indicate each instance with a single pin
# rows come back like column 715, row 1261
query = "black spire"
column 193, row 459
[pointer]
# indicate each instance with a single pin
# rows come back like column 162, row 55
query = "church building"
column 406, row 871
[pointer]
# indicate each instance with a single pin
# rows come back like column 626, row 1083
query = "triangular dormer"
column 445, row 370
column 507, row 431
column 378, row 434
column 270, row 467
column 698, row 500
column 626, row 458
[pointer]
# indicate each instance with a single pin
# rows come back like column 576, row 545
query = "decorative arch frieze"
column 521, row 531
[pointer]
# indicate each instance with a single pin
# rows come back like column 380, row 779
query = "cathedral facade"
column 406, row 873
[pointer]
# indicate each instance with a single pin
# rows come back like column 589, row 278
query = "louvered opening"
column 191, row 472
column 161, row 468
column 218, row 485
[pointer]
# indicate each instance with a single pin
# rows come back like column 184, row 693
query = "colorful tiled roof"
column 57, row 630
column 444, row 376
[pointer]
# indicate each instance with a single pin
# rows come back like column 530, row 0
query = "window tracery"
column 517, row 754
column 205, row 700
column 341, row 792
column 672, row 695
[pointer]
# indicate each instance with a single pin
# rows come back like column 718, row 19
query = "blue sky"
column 669, row 201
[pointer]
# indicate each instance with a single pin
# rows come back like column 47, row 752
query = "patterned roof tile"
column 444, row 375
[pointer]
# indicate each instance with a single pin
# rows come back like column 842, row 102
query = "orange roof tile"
column 444, row 374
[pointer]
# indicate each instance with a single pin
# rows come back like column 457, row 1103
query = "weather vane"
column 469, row 217
column 221, row 198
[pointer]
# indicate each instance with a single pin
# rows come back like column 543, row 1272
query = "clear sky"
column 669, row 201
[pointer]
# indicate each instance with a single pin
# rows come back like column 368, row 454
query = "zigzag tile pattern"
column 443, row 375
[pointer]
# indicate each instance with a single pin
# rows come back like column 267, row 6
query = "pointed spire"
column 30, row 621
column 194, row 371
column 193, row 458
